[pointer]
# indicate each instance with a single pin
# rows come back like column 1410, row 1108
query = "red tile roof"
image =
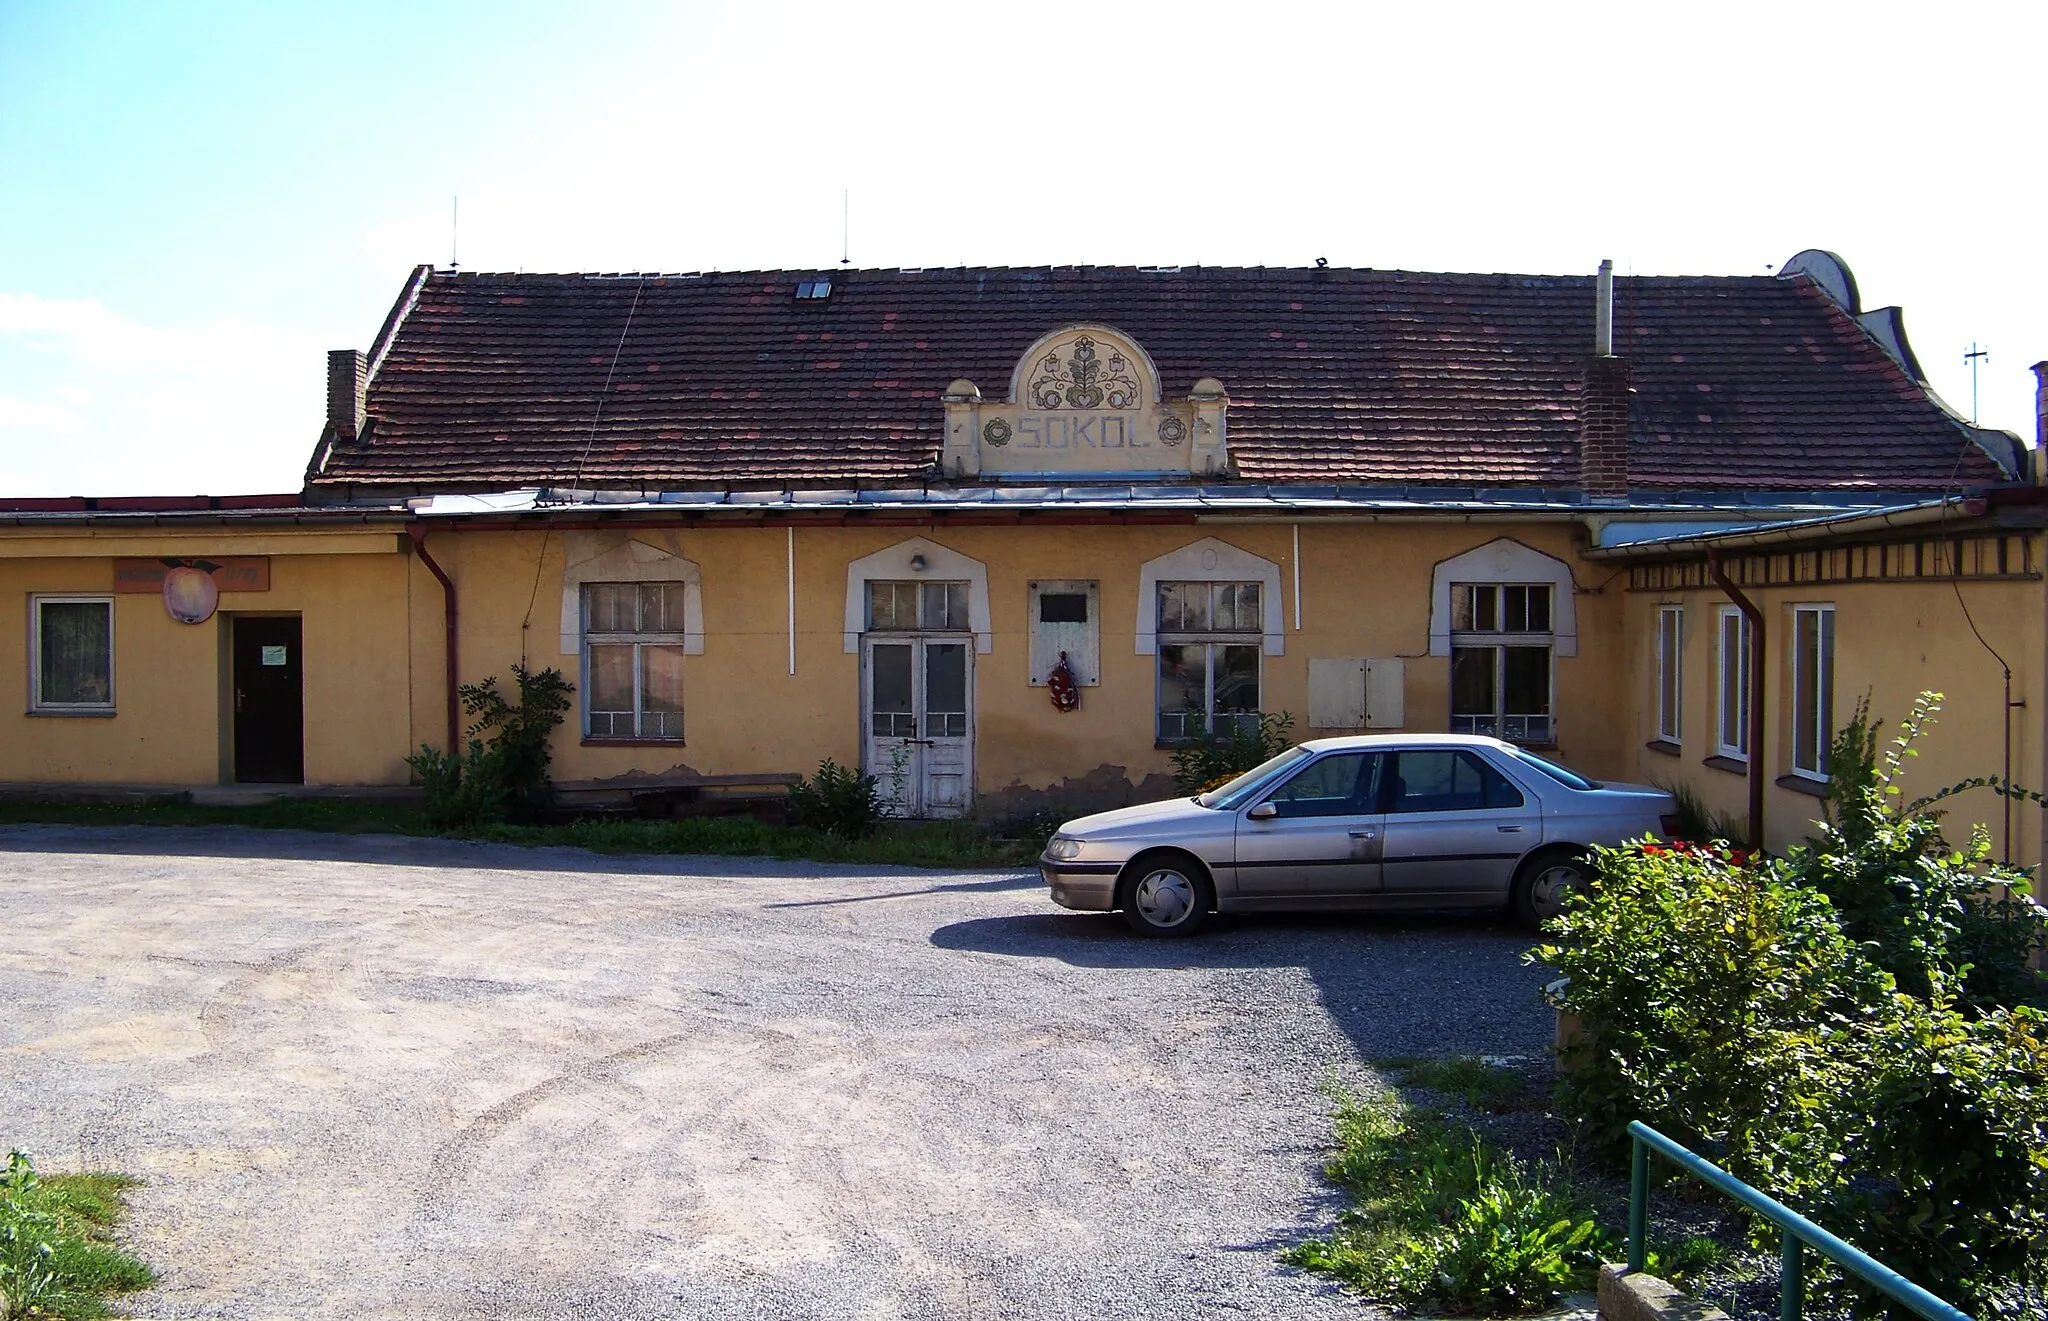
column 1374, row 377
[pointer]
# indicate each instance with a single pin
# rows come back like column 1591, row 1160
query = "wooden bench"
column 763, row 795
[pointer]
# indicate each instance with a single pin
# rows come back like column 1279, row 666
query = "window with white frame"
column 633, row 660
column 917, row 607
column 71, row 668
column 1502, row 676
column 1732, row 732
column 1670, row 671
column 1209, row 643
column 1813, row 689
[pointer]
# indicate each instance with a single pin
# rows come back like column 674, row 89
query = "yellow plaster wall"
column 167, row 726
column 1892, row 641
column 374, row 660
column 1365, row 592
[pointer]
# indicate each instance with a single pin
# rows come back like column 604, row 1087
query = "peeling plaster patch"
column 1099, row 790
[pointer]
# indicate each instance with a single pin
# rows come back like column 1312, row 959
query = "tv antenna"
column 1973, row 357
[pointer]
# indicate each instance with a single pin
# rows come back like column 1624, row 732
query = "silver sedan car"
column 1369, row 822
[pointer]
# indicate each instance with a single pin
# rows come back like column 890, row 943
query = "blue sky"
column 197, row 200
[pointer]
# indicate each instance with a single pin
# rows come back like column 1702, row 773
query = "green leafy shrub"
column 1208, row 760
column 1709, row 996
column 1948, row 1149
column 502, row 776
column 838, row 800
column 1848, row 1028
column 1920, row 907
column 55, row 1260
column 1442, row 1220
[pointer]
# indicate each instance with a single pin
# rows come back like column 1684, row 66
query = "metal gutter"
column 1795, row 531
column 1756, row 693
column 396, row 518
column 418, row 535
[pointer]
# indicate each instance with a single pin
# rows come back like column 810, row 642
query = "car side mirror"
column 1263, row 812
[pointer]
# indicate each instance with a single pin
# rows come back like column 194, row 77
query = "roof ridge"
column 1160, row 270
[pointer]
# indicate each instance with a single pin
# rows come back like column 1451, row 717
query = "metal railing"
column 1798, row 1231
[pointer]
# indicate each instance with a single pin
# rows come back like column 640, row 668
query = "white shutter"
column 1385, row 693
column 1336, row 693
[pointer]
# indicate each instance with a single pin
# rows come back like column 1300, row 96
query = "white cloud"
column 24, row 413
column 96, row 402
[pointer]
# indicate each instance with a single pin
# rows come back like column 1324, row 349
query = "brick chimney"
column 348, row 384
column 1603, row 408
column 2040, row 418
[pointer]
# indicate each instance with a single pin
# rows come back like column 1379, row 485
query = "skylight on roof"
column 809, row 290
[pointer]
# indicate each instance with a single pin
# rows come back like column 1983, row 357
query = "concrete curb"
column 1628, row 1296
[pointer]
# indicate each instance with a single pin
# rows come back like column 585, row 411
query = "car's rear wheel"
column 1544, row 882
column 1166, row 894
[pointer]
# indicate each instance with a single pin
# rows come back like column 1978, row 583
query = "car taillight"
column 1669, row 824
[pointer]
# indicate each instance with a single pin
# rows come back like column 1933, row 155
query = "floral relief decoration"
column 1084, row 380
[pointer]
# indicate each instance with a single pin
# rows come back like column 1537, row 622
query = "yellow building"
column 904, row 519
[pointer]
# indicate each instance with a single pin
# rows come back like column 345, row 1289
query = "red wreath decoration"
column 1062, row 687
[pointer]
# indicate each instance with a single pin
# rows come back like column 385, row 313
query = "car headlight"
column 1063, row 847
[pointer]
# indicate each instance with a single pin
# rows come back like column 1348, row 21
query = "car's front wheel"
column 1166, row 895
column 1544, row 881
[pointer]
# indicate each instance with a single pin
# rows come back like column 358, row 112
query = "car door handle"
column 1508, row 830
column 1365, row 834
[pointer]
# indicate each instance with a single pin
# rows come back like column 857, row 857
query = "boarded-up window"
column 1066, row 615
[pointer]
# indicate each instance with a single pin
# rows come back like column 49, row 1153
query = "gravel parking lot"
column 377, row 1077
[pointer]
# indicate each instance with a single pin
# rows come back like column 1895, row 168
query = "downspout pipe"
column 419, row 546
column 1749, row 610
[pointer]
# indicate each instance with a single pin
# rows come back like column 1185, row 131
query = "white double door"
column 917, row 714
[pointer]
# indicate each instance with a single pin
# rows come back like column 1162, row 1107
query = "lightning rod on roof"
column 845, row 228
column 454, row 232
column 1973, row 357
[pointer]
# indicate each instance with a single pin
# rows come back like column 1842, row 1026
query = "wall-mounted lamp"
column 917, row 564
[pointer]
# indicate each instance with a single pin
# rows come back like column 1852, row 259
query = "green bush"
column 502, row 777
column 1948, row 1155
column 1207, row 760
column 838, row 800
column 1442, row 1220
column 1711, row 997
column 1920, row 907
column 1847, row 1029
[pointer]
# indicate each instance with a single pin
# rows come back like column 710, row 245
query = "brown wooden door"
column 270, row 716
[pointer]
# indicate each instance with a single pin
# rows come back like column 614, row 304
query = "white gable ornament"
column 1084, row 402
column 918, row 559
column 1505, row 560
column 641, row 556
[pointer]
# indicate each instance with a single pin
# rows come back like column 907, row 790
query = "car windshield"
column 1570, row 779
column 1227, row 797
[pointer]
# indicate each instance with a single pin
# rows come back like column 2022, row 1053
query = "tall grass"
column 1442, row 1220
column 57, row 1257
